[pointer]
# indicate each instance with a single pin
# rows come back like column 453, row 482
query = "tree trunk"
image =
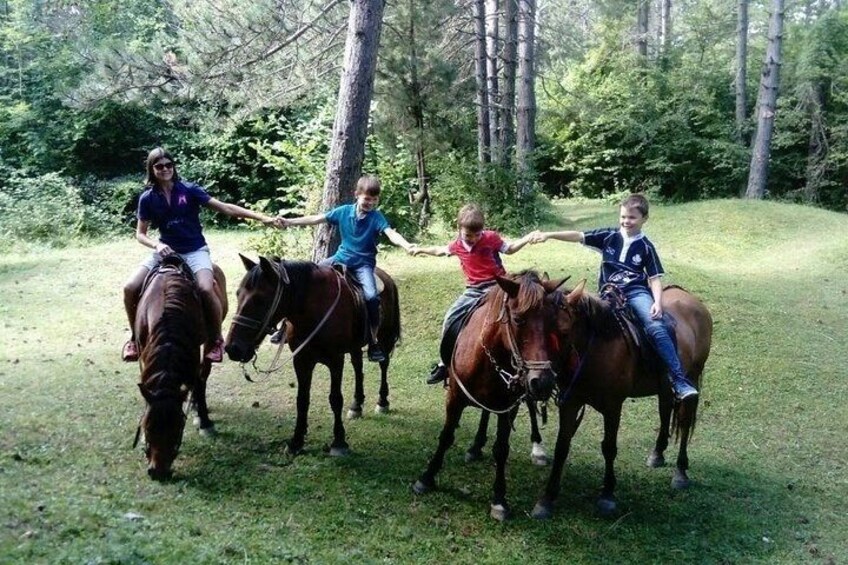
column 741, row 70
column 347, row 145
column 526, row 110
column 766, row 106
column 492, row 50
column 817, row 147
column 507, row 120
column 422, row 197
column 484, row 145
column 665, row 24
column 642, row 28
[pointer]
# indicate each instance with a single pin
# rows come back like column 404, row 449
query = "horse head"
column 259, row 296
column 526, row 322
column 162, row 423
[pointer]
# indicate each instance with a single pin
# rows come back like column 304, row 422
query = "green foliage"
column 48, row 209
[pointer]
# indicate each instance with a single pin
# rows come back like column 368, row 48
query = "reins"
column 251, row 323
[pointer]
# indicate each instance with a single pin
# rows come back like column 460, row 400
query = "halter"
column 519, row 365
column 263, row 326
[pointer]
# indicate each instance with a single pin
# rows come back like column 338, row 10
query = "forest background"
column 629, row 96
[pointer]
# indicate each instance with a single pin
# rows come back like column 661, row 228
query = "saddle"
column 172, row 262
column 454, row 327
column 632, row 330
column 358, row 295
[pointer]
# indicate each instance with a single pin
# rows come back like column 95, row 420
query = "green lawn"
column 768, row 460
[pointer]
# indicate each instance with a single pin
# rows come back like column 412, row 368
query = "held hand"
column 537, row 237
column 412, row 249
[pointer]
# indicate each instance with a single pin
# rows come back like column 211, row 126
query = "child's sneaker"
column 437, row 374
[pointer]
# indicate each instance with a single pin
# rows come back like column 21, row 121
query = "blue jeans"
column 640, row 302
column 364, row 274
column 460, row 307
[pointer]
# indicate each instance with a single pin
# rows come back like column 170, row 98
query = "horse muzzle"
column 540, row 384
column 238, row 352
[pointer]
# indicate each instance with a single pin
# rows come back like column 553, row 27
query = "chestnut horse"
column 170, row 328
column 324, row 322
column 501, row 356
column 611, row 369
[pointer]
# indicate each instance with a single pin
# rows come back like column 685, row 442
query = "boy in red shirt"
column 479, row 252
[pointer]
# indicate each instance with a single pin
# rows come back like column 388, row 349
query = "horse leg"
column 355, row 409
column 686, row 412
column 609, row 447
column 657, row 456
column 303, row 368
column 569, row 421
column 499, row 509
column 383, row 401
column 538, row 455
column 453, row 412
column 339, row 446
column 205, row 425
column 475, row 450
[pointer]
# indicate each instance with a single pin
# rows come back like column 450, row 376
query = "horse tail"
column 683, row 419
column 392, row 322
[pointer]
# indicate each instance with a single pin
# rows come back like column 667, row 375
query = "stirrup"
column 216, row 354
column 129, row 353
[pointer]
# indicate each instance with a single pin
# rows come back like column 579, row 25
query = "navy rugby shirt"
column 178, row 222
column 625, row 262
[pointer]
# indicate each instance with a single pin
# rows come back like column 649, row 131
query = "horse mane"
column 171, row 356
column 600, row 316
column 531, row 293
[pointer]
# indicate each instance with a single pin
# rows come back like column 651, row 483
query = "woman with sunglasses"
column 172, row 205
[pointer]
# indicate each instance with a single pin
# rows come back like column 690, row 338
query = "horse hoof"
column 542, row 511
column 473, row 455
column 680, row 481
column 420, row 487
column 381, row 409
column 353, row 414
column 208, row 431
column 196, row 421
column 606, row 506
column 656, row 460
column 539, row 460
column 339, row 451
column 499, row 512
column 292, row 451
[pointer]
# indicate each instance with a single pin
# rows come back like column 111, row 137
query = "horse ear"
column 509, row 286
column 575, row 294
column 248, row 264
column 271, row 269
column 545, row 277
column 551, row 286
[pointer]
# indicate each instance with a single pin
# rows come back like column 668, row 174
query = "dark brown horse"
column 501, row 356
column 611, row 369
column 324, row 322
column 170, row 328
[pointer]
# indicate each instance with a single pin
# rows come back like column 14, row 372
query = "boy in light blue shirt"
column 360, row 225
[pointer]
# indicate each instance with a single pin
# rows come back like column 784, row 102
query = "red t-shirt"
column 483, row 262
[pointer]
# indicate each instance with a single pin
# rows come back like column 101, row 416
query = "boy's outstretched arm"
column 572, row 236
column 398, row 239
column 434, row 250
column 313, row 220
column 513, row 246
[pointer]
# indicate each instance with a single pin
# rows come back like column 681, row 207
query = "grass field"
column 769, row 460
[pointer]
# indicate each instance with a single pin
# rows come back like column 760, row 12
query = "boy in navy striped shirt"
column 631, row 263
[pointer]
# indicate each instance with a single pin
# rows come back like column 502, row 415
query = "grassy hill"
column 768, row 460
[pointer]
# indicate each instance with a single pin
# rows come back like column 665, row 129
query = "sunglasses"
column 163, row 166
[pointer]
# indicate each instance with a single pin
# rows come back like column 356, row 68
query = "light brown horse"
column 610, row 369
column 170, row 328
column 324, row 322
column 501, row 356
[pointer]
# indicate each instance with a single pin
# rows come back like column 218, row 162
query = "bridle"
column 262, row 327
column 520, row 367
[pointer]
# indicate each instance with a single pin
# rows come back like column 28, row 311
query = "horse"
column 610, row 369
column 171, row 328
column 324, row 321
column 501, row 356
